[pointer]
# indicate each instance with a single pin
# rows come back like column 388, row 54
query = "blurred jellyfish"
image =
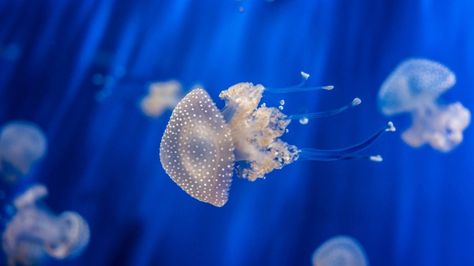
column 107, row 82
column 161, row 96
column 22, row 143
column 109, row 72
column 415, row 87
column 340, row 251
column 202, row 145
column 35, row 233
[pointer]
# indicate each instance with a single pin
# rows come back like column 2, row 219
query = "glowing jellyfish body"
column 197, row 151
column 340, row 251
column 21, row 145
column 256, row 132
column 414, row 87
column 34, row 233
column 161, row 96
column 202, row 145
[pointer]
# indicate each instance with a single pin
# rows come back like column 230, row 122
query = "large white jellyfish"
column 340, row 251
column 414, row 87
column 161, row 96
column 22, row 143
column 202, row 145
column 35, row 233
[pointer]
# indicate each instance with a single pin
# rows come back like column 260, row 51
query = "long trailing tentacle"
column 351, row 152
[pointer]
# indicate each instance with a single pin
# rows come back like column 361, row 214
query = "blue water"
column 415, row 208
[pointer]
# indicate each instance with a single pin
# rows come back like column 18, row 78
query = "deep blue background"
column 415, row 208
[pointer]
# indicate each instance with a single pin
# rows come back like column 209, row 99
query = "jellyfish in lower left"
column 340, row 251
column 22, row 144
column 35, row 233
column 202, row 146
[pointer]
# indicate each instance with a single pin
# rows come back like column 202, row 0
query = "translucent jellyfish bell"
column 21, row 144
column 33, row 233
column 415, row 82
column 340, row 251
column 197, row 150
column 161, row 96
column 414, row 87
column 201, row 145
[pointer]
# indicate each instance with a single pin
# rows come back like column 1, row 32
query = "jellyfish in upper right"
column 340, row 251
column 415, row 87
column 22, row 144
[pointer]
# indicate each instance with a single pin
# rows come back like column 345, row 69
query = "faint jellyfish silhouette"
column 161, row 96
column 340, row 251
column 22, row 143
column 108, row 82
column 109, row 73
column 201, row 145
column 414, row 87
column 35, row 233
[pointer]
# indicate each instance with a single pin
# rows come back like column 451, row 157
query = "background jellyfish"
column 22, row 143
column 108, row 73
column 161, row 96
column 340, row 251
column 414, row 87
column 414, row 209
column 34, row 233
column 201, row 144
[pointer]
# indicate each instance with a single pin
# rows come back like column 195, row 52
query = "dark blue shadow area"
column 412, row 209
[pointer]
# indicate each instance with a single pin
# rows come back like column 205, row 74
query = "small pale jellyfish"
column 202, row 145
column 340, row 251
column 22, row 144
column 35, row 233
column 161, row 97
column 414, row 87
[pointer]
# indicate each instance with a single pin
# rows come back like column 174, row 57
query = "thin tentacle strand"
column 328, row 113
column 300, row 87
column 352, row 152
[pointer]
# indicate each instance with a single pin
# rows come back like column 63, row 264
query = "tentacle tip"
column 356, row 101
column 390, row 127
column 376, row 158
column 304, row 75
column 328, row 88
column 304, row 120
